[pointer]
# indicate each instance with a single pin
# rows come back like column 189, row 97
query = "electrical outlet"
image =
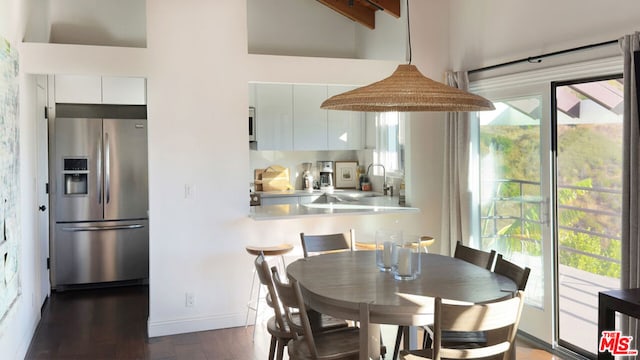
column 189, row 299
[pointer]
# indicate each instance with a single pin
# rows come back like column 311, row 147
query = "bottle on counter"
column 362, row 177
column 401, row 194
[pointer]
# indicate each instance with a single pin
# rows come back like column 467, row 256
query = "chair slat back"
column 477, row 317
column 291, row 298
column 514, row 272
column 262, row 269
column 474, row 256
column 326, row 243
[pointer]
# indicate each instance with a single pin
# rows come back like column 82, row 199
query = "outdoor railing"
column 494, row 220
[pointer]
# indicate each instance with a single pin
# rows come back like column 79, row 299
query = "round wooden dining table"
column 339, row 283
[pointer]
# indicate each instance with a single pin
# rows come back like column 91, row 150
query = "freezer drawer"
column 87, row 253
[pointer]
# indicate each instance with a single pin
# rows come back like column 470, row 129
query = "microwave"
column 252, row 124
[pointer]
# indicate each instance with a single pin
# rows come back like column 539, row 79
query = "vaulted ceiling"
column 364, row 11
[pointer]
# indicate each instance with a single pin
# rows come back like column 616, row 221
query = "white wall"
column 298, row 28
column 488, row 32
column 388, row 41
column 20, row 322
column 98, row 22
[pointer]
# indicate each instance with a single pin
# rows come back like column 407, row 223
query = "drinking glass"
column 387, row 242
column 408, row 258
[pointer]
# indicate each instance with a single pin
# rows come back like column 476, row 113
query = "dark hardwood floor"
column 111, row 324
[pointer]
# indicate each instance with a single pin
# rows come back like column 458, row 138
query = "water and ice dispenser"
column 75, row 174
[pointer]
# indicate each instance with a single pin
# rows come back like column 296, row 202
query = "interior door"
column 42, row 186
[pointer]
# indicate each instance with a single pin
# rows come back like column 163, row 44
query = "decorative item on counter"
column 257, row 179
column 401, row 194
column 346, row 174
column 366, row 185
column 276, row 178
column 364, row 179
column 359, row 175
column 387, row 242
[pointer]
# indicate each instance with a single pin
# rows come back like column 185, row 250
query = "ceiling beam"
column 354, row 10
column 391, row 7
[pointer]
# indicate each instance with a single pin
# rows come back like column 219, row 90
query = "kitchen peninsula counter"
column 330, row 204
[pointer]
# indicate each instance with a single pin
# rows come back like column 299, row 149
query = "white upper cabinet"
column 78, row 89
column 124, row 90
column 345, row 128
column 274, row 117
column 289, row 117
column 81, row 89
column 309, row 121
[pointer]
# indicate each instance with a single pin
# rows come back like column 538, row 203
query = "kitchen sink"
column 347, row 206
column 338, row 197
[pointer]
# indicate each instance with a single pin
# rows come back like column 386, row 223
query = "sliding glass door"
column 514, row 187
column 588, row 133
column 547, row 192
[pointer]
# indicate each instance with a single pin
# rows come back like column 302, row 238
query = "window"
column 390, row 128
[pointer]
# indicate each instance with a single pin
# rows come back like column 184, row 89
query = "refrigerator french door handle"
column 107, row 167
column 99, row 171
column 101, row 228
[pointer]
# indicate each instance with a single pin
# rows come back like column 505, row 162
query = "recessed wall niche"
column 89, row 22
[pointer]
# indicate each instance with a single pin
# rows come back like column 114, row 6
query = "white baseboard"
column 187, row 325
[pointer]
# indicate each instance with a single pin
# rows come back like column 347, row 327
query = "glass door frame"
column 535, row 321
column 540, row 323
column 556, row 237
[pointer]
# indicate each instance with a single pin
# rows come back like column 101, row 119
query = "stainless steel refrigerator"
column 100, row 193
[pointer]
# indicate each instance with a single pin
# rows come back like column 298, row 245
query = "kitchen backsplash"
column 294, row 159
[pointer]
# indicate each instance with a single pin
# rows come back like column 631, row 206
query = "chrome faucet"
column 385, row 187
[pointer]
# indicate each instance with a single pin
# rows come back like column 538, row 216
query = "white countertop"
column 358, row 203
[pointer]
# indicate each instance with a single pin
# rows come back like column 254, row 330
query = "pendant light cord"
column 409, row 32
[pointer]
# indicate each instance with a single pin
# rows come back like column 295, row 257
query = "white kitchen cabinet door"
column 345, row 128
column 124, row 90
column 309, row 121
column 274, row 117
column 78, row 89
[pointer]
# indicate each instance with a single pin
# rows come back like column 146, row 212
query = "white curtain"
column 630, row 45
column 456, row 201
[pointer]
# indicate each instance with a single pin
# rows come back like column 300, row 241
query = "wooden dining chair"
column 340, row 344
column 474, row 256
column 518, row 274
column 316, row 244
column 457, row 317
column 277, row 326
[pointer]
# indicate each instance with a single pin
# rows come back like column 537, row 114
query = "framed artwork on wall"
column 346, row 174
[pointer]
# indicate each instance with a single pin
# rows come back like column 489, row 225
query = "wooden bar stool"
column 267, row 251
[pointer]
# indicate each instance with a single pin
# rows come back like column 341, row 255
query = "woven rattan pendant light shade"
column 407, row 90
